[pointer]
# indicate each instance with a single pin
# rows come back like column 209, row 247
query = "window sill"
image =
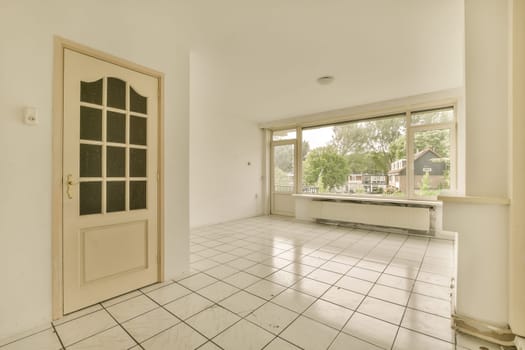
column 371, row 200
column 474, row 200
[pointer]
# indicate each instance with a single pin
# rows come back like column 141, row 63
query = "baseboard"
column 482, row 330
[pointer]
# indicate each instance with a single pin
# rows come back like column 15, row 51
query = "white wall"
column 131, row 29
column 486, row 70
column 482, row 243
column 222, row 185
column 482, row 225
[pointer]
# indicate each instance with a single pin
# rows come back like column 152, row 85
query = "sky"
column 318, row 137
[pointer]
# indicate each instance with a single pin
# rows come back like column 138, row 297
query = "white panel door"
column 110, row 164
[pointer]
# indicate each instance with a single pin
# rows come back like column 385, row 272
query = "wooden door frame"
column 60, row 44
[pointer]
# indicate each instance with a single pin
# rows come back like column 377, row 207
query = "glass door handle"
column 69, row 184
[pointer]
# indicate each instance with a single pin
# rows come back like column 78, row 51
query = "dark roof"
column 416, row 157
column 420, row 153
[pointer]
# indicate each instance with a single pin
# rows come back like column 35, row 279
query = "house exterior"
column 425, row 162
column 366, row 183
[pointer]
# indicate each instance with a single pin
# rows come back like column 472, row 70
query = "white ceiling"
column 260, row 59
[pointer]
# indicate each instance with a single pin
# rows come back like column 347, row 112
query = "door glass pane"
column 90, row 123
column 90, row 160
column 283, row 168
column 431, row 162
column 90, row 197
column 137, row 194
column 121, row 129
column 116, row 196
column 137, row 102
column 138, row 131
column 91, row 92
column 116, row 161
column 116, row 93
column 116, row 124
column 137, row 165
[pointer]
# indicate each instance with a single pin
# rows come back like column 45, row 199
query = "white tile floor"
column 276, row 284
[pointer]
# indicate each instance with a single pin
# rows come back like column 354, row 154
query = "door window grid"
column 139, row 192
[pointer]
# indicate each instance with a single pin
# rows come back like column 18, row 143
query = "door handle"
column 69, row 184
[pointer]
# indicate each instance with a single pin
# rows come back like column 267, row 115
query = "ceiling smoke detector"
column 327, row 79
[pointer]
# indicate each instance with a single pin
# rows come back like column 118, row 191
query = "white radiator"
column 399, row 216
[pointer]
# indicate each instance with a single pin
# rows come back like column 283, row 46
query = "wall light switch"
column 30, row 116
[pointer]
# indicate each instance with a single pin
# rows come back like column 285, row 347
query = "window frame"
column 411, row 130
column 273, row 144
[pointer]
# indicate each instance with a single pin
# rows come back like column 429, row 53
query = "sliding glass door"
column 283, row 173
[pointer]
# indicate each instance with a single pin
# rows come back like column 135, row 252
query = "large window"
column 354, row 158
column 408, row 155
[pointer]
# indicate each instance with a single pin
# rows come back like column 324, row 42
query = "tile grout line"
column 411, row 291
column 94, row 311
column 355, row 265
column 367, row 294
column 334, row 285
column 319, row 297
column 119, row 324
column 316, row 298
column 181, row 320
column 92, row 335
column 266, row 300
column 26, row 336
column 58, row 336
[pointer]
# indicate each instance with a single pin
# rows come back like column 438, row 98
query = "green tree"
column 282, row 180
column 358, row 163
column 284, row 156
column 326, row 168
column 368, row 143
column 398, row 147
column 433, row 117
column 350, row 138
column 364, row 163
column 436, row 140
column 305, row 149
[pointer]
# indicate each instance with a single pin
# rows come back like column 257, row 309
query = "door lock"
column 69, row 184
